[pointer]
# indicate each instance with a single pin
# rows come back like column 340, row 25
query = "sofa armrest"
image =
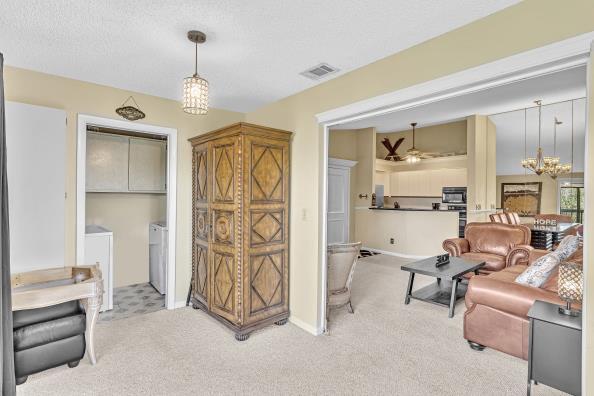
column 509, row 297
column 518, row 255
column 456, row 246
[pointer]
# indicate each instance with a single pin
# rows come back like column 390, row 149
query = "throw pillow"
column 539, row 271
column 567, row 246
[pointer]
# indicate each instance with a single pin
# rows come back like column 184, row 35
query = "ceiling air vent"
column 319, row 71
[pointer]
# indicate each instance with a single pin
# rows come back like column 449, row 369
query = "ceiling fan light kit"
column 195, row 88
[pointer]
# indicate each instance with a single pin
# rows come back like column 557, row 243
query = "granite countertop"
column 417, row 209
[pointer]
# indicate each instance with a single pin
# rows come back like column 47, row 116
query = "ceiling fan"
column 412, row 156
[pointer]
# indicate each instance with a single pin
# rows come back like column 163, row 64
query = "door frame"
column 347, row 165
column 81, row 155
column 562, row 55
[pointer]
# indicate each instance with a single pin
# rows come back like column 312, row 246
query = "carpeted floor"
column 386, row 347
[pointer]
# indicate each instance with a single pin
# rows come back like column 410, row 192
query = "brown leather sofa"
column 496, row 307
column 492, row 243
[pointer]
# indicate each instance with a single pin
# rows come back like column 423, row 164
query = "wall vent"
column 319, row 71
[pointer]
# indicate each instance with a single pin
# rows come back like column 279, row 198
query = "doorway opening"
column 126, row 214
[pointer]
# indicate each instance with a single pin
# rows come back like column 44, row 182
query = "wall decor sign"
column 131, row 113
column 522, row 198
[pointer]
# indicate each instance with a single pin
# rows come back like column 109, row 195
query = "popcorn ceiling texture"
column 254, row 50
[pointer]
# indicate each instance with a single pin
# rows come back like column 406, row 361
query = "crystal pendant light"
column 412, row 154
column 536, row 164
column 552, row 165
column 195, row 95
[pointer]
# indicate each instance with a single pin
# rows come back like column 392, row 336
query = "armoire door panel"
column 223, row 227
column 224, row 172
column 222, row 285
column 200, row 170
column 268, row 285
column 267, row 172
column 200, row 272
column 266, row 227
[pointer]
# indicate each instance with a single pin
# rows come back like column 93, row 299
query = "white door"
column 338, row 204
column 36, row 148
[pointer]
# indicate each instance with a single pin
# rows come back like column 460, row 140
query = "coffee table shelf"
column 447, row 289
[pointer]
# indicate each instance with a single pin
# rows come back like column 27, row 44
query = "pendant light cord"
column 196, row 60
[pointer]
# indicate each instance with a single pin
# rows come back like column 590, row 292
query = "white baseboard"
column 179, row 304
column 305, row 326
column 409, row 256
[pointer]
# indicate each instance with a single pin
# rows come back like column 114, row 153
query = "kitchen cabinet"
column 425, row 183
column 117, row 163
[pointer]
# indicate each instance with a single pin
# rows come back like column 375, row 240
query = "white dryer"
column 158, row 256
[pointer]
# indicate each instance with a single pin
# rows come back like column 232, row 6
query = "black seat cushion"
column 31, row 316
column 46, row 356
column 43, row 333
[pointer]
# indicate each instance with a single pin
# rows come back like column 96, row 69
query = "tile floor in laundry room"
column 134, row 300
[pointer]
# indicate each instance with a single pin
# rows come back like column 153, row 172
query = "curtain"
column 6, row 348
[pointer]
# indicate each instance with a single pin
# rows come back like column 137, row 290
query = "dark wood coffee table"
column 448, row 288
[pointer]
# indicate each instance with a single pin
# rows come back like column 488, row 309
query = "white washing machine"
column 158, row 256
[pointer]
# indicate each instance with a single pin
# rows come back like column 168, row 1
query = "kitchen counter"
column 417, row 209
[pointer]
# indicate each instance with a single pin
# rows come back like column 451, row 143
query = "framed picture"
column 522, row 198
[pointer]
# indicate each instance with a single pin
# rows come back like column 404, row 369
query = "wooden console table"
column 43, row 288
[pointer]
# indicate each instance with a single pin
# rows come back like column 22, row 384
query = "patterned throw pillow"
column 539, row 271
column 567, row 247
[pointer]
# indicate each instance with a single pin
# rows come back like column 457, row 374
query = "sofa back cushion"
column 495, row 238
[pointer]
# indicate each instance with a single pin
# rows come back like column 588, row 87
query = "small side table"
column 555, row 348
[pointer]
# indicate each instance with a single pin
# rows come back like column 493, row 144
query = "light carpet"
column 386, row 347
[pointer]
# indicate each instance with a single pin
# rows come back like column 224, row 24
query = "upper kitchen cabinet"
column 125, row 164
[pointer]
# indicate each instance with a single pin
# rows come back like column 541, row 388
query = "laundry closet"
column 126, row 212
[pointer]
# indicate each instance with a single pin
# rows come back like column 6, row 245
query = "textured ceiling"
column 254, row 52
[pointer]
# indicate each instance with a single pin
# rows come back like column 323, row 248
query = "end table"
column 554, row 348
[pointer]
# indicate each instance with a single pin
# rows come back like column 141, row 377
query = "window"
column 572, row 202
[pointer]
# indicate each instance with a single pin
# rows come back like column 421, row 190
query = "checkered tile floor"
column 367, row 253
column 134, row 300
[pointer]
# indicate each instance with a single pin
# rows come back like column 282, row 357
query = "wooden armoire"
column 240, row 226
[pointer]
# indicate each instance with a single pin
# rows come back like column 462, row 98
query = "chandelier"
column 536, row 164
column 552, row 166
column 195, row 95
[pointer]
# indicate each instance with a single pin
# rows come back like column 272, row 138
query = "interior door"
column 36, row 146
column 224, row 235
column 201, row 229
column 338, row 204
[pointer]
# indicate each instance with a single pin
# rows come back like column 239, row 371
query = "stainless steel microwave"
column 453, row 195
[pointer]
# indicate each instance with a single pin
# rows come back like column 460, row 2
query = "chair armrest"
column 518, row 255
column 509, row 297
column 456, row 246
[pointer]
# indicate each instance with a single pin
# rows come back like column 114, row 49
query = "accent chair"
column 342, row 259
column 505, row 218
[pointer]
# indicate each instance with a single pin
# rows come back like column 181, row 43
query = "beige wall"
column 444, row 138
column 80, row 97
column 529, row 24
column 128, row 216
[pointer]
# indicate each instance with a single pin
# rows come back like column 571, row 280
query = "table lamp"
column 570, row 286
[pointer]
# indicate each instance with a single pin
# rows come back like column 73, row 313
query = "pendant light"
column 412, row 154
column 552, row 166
column 195, row 95
column 536, row 164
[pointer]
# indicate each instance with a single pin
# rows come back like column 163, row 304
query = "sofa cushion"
column 45, row 332
column 539, row 271
column 495, row 238
column 567, row 247
column 30, row 316
column 493, row 262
